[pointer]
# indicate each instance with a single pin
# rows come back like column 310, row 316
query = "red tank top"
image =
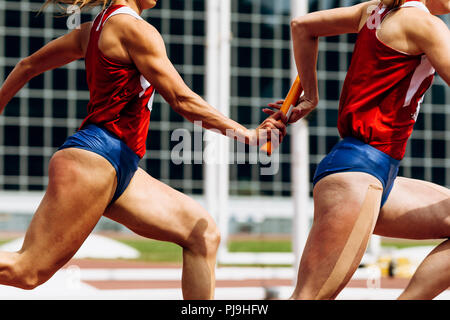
column 120, row 97
column 383, row 90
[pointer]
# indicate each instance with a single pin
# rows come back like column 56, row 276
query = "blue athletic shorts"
column 109, row 146
column 351, row 154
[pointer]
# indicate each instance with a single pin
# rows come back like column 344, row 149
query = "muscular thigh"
column 337, row 204
column 81, row 184
column 154, row 210
column 342, row 192
column 415, row 210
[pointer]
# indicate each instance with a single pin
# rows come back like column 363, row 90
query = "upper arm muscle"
column 61, row 51
column 338, row 21
column 147, row 50
column 432, row 36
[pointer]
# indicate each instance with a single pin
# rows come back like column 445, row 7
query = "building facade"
column 52, row 105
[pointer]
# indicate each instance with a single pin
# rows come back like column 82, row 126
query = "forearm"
column 307, row 29
column 198, row 111
column 306, row 48
column 19, row 76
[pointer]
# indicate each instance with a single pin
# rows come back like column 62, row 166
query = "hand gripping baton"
column 287, row 106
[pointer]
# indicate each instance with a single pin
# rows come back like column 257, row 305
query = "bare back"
column 393, row 32
column 415, row 31
column 110, row 42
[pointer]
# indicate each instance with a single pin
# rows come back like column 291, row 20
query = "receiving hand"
column 303, row 108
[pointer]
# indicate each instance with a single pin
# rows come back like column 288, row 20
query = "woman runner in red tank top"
column 400, row 45
column 95, row 172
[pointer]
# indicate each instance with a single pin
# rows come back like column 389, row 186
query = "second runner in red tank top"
column 383, row 90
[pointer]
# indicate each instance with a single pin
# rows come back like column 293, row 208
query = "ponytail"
column 80, row 3
column 393, row 4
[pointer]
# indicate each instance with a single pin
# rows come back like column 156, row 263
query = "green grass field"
column 155, row 251
column 158, row 251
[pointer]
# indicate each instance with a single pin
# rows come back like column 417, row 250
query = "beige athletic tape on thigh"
column 363, row 224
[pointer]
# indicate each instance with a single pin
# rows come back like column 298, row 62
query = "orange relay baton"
column 289, row 103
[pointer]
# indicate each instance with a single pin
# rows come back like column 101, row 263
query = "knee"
column 213, row 239
column 204, row 238
column 447, row 226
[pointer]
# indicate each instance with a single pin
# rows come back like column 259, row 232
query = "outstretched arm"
column 56, row 53
column 146, row 49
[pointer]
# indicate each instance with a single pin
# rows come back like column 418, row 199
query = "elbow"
column 186, row 103
column 26, row 68
column 180, row 105
column 298, row 24
column 299, row 27
column 177, row 104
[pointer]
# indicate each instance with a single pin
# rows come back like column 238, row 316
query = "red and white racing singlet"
column 383, row 90
column 120, row 97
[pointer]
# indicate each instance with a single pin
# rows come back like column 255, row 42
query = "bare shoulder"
column 431, row 36
column 412, row 30
column 132, row 31
column 366, row 9
column 369, row 6
column 123, row 36
column 419, row 24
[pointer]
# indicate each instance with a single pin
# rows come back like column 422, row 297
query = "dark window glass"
column 35, row 166
column 59, row 136
column 60, row 108
column 12, row 165
column 35, row 136
column 12, row 135
column 12, row 46
column 12, row 18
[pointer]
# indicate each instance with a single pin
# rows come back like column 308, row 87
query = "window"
column 54, row 104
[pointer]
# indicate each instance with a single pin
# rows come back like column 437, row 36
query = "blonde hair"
column 392, row 4
column 80, row 3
